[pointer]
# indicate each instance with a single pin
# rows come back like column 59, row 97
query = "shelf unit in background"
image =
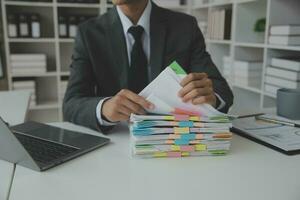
column 58, row 51
column 244, row 43
column 247, row 44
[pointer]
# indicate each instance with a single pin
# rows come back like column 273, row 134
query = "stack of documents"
column 175, row 128
column 285, row 34
column 282, row 72
column 28, row 64
column 248, row 73
column 179, row 135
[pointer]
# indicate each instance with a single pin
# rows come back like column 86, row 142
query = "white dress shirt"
column 144, row 21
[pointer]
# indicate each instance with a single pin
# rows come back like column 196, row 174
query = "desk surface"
column 6, row 175
column 13, row 106
column 250, row 171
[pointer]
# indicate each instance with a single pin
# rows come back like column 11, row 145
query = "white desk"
column 249, row 172
column 14, row 106
column 6, row 175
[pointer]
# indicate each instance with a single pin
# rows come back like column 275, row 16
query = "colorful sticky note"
column 187, row 148
column 181, row 117
column 177, row 68
column 186, row 124
column 175, row 148
column 169, row 117
column 200, row 147
column 174, row 154
column 195, row 118
column 181, row 142
column 185, row 154
column 188, row 137
column 160, row 154
column 181, row 130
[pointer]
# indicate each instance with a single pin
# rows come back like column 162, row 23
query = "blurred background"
column 254, row 44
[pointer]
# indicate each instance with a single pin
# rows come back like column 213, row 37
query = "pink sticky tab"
column 187, row 148
column 174, row 154
column 180, row 111
column 182, row 117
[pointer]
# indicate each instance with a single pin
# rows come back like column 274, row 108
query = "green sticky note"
column 177, row 68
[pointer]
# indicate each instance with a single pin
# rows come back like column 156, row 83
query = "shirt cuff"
column 101, row 121
column 222, row 102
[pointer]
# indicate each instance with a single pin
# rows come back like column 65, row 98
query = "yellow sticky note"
column 160, row 154
column 195, row 118
column 185, row 154
column 200, row 147
column 181, row 130
column 169, row 117
column 175, row 148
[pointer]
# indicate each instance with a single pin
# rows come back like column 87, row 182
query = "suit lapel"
column 157, row 41
column 118, row 48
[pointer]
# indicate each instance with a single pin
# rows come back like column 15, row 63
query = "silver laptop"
column 40, row 147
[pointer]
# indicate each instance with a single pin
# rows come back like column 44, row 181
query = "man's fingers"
column 192, row 77
column 192, row 85
column 122, row 117
column 197, row 93
column 202, row 99
column 133, row 107
column 137, row 99
column 124, row 110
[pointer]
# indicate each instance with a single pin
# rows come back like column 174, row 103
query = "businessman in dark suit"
column 117, row 54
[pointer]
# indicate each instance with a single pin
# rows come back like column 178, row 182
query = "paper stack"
column 174, row 128
column 28, row 64
column 285, row 35
column 179, row 135
column 248, row 73
column 28, row 85
column 282, row 72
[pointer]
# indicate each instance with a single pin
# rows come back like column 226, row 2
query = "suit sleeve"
column 202, row 62
column 80, row 101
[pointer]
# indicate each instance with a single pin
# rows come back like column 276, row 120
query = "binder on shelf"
column 282, row 73
column 282, row 82
column 289, row 63
column 285, row 30
column 284, row 40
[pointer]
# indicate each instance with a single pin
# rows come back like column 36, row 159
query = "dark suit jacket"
column 100, row 64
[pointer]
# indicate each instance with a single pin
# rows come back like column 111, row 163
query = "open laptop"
column 40, row 147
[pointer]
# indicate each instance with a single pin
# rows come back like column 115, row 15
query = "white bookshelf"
column 244, row 43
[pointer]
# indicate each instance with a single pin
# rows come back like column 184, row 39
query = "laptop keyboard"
column 44, row 151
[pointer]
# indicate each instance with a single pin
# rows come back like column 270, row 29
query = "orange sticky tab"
column 181, row 130
column 181, row 117
column 199, row 136
column 200, row 147
column 169, row 141
column 179, row 111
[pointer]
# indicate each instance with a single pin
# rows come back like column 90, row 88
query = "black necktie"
column 138, row 73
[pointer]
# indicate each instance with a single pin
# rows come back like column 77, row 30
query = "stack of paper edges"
column 179, row 135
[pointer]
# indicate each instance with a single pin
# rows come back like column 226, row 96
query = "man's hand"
column 119, row 107
column 198, row 89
